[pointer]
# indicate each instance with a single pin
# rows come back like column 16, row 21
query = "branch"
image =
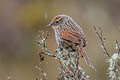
column 102, row 39
column 114, row 60
column 117, row 47
column 69, row 65
column 42, row 42
column 41, row 68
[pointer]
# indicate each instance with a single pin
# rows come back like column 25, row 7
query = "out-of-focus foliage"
column 31, row 14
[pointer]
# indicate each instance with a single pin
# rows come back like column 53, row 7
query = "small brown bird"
column 70, row 36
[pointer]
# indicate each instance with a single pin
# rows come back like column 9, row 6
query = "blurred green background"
column 21, row 20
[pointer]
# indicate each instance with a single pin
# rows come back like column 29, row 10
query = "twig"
column 114, row 60
column 102, row 39
column 42, row 42
column 41, row 68
column 118, row 47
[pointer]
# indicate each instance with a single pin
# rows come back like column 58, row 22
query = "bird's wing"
column 75, row 37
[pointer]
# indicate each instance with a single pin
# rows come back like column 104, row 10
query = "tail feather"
column 83, row 53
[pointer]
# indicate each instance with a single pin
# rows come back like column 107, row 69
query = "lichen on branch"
column 114, row 60
column 69, row 66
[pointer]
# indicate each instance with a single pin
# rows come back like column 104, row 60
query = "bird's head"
column 58, row 20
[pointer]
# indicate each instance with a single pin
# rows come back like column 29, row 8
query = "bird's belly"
column 68, row 46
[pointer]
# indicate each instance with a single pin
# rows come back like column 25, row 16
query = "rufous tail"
column 83, row 53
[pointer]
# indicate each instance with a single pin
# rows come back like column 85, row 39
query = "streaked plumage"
column 70, row 36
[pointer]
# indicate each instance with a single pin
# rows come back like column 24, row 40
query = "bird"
column 70, row 36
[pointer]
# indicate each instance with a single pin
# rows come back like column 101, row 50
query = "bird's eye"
column 57, row 21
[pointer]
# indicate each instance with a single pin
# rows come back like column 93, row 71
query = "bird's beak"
column 49, row 25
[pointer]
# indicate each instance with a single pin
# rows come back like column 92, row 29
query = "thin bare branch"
column 42, row 42
column 118, row 46
column 102, row 39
